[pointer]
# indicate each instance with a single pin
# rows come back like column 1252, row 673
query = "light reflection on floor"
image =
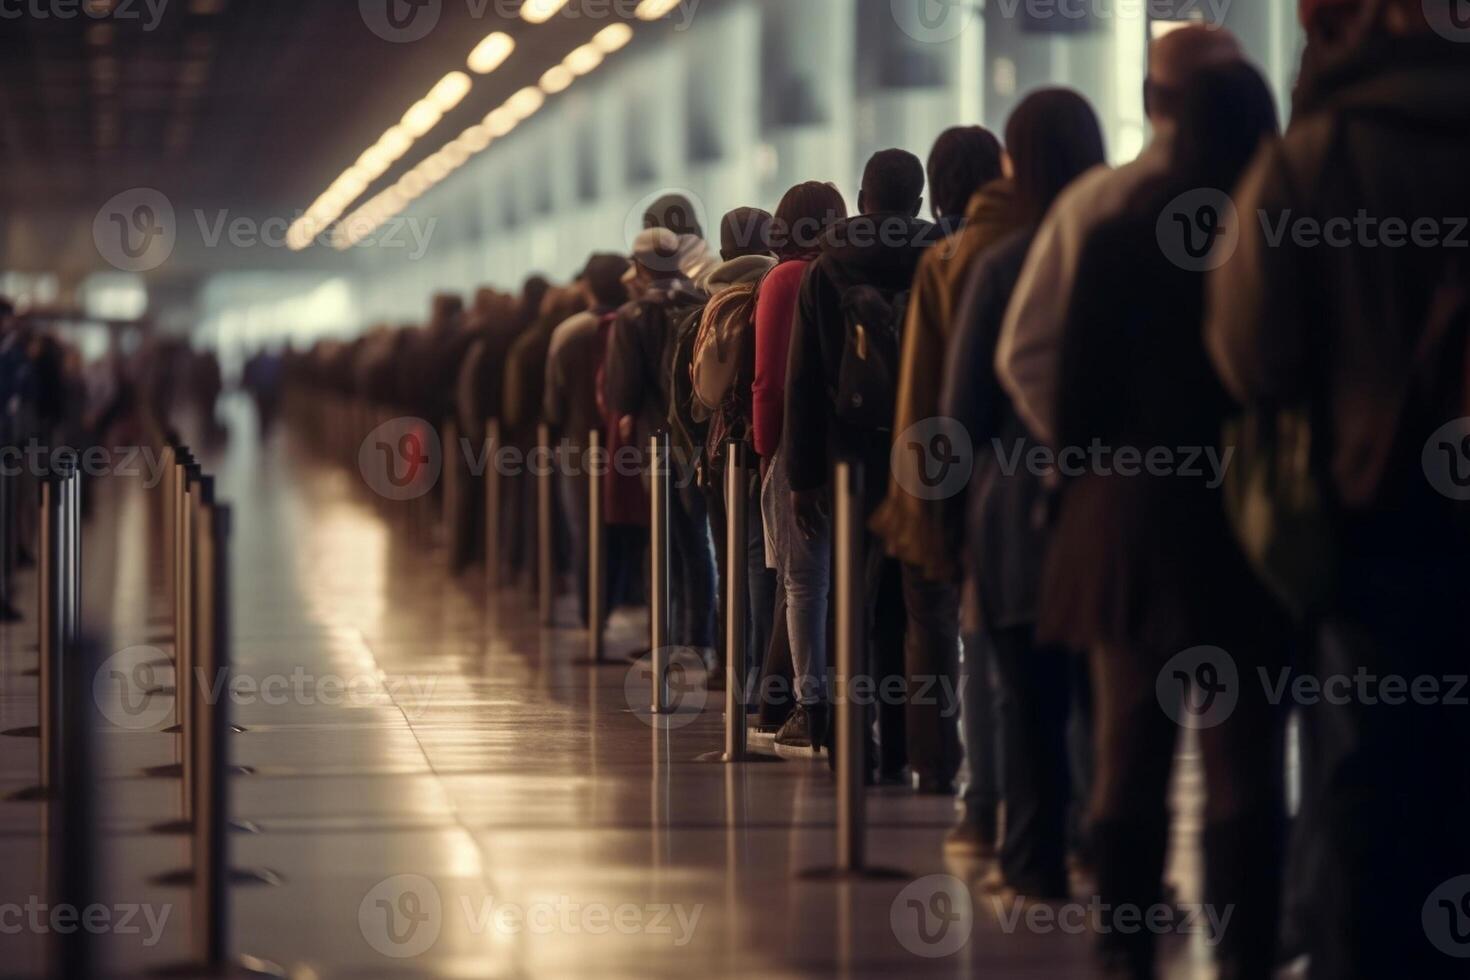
column 432, row 766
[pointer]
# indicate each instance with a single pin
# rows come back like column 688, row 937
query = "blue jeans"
column 805, row 569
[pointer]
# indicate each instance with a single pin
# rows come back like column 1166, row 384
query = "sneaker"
column 804, row 733
column 967, row 839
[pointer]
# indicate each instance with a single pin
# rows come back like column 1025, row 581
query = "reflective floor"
column 441, row 788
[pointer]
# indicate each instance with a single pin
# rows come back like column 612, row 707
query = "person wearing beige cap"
column 1031, row 336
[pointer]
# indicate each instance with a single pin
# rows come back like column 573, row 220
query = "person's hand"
column 625, row 428
column 810, row 508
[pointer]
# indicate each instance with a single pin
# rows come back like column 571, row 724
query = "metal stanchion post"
column 492, row 506
column 850, row 713
column 596, row 543
column 53, row 565
column 658, row 598
column 737, row 477
column 210, row 875
column 545, row 559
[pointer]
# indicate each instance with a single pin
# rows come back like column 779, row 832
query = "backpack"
column 867, row 377
column 686, row 426
column 724, row 349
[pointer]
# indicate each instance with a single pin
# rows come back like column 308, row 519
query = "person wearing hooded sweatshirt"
column 1370, row 337
column 974, row 206
column 1052, row 137
column 880, row 249
column 667, row 259
column 745, row 251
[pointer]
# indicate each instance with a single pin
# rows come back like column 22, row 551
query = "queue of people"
column 1034, row 616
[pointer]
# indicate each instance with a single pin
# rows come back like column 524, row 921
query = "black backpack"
column 867, row 378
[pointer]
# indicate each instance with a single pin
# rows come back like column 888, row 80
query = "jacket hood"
column 736, row 271
column 1423, row 79
column 882, row 249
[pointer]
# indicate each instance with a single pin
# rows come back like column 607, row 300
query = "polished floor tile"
column 443, row 790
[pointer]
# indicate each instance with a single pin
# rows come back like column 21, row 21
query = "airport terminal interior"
column 752, row 488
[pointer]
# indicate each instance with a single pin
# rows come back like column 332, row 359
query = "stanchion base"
column 175, row 770
column 722, row 756
column 853, row 874
column 187, row 827
column 244, row 966
column 31, row 794
column 25, row 731
column 236, row 876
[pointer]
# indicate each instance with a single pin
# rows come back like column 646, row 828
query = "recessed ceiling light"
column 491, row 53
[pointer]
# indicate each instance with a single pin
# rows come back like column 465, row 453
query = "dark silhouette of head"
column 674, row 212
column 745, row 231
column 1175, row 57
column 964, row 159
column 893, row 182
column 602, row 279
column 1053, row 136
column 804, row 213
column 532, row 293
column 1225, row 113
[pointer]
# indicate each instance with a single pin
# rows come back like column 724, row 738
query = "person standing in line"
column 867, row 261
column 1143, row 571
column 1052, row 138
column 570, row 403
column 1026, row 357
column 1368, row 342
column 797, row 651
column 973, row 205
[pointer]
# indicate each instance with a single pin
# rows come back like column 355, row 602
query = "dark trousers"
column 1033, row 702
column 980, row 775
column 777, row 671
column 572, row 488
column 625, row 548
column 692, row 571
column 1385, row 799
column 1244, row 814
column 760, row 581
column 885, row 660
column 931, row 648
